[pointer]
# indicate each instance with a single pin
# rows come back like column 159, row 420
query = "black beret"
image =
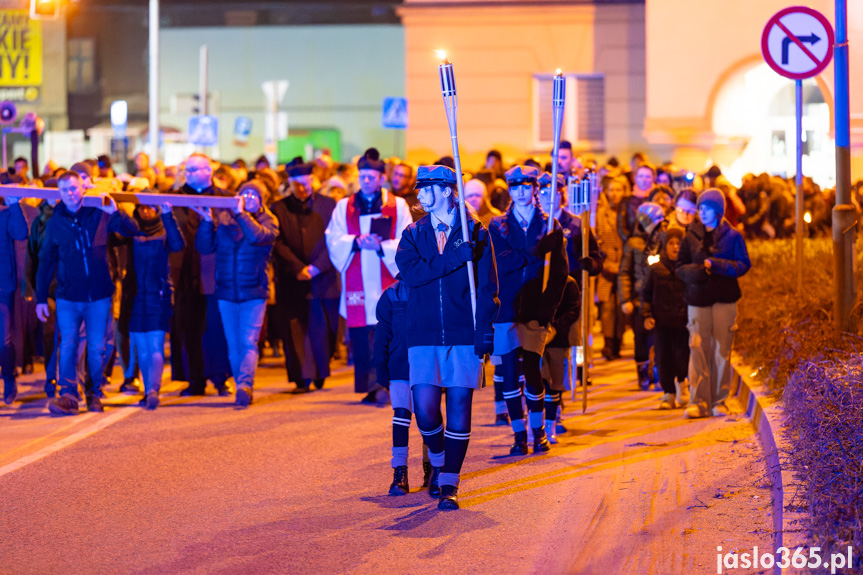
column 366, row 163
column 298, row 170
column 545, row 180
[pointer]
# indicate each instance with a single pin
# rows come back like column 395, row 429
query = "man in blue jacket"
column 76, row 248
column 13, row 227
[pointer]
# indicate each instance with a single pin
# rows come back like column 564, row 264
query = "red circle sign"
column 797, row 42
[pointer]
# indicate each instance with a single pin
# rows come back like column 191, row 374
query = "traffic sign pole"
column 798, row 90
column 844, row 214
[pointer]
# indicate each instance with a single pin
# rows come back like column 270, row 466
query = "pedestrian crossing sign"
column 395, row 113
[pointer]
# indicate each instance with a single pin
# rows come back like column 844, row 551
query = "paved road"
column 297, row 484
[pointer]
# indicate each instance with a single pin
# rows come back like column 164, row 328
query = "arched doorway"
column 754, row 112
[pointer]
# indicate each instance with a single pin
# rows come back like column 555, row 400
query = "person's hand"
column 11, row 200
column 241, row 205
column 649, row 323
column 464, row 251
column 369, row 242
column 627, row 308
column 205, row 213
column 167, row 208
column 483, row 343
column 304, row 275
column 549, row 242
column 313, row 271
column 707, row 265
column 108, row 205
column 42, row 312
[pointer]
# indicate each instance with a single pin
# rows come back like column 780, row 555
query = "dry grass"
column 819, row 374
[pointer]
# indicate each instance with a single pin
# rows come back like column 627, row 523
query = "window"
column 583, row 114
column 82, row 65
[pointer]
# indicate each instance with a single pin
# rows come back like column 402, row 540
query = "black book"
column 382, row 226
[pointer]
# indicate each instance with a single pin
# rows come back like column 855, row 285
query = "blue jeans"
column 149, row 348
column 243, row 322
column 70, row 315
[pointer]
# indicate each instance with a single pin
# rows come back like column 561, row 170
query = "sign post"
column 796, row 43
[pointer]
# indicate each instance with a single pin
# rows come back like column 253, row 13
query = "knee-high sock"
column 534, row 390
column 401, row 435
column 512, row 390
column 499, row 403
column 456, row 448
column 435, row 441
column 552, row 401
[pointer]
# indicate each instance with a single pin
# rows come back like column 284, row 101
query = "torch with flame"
column 450, row 102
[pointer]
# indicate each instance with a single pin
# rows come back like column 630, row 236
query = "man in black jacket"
column 199, row 350
column 75, row 247
column 13, row 227
column 307, row 285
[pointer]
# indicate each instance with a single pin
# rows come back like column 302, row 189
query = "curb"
column 767, row 415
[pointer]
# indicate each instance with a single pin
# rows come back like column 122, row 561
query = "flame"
column 558, row 72
column 807, row 217
column 441, row 54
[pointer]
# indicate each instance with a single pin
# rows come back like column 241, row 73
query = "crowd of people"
column 368, row 261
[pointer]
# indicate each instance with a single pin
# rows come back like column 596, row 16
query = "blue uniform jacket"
column 571, row 225
column 391, row 347
column 439, row 311
column 520, row 269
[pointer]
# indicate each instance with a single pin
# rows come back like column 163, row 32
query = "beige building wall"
column 496, row 50
column 694, row 49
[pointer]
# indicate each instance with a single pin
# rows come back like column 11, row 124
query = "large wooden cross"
column 97, row 196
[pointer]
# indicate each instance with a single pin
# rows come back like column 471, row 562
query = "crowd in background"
column 181, row 265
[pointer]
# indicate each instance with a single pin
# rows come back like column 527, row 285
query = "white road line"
column 67, row 441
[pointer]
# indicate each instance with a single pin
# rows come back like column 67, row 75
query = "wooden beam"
column 93, row 198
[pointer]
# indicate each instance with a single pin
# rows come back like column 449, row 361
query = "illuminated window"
column 583, row 116
column 82, row 65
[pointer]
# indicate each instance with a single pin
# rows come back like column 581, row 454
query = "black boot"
column 427, row 471
column 400, row 481
column 519, row 447
column 643, row 376
column 434, row 488
column 615, row 348
column 540, row 441
column 448, row 498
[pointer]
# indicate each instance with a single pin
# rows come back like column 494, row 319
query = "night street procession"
column 426, row 286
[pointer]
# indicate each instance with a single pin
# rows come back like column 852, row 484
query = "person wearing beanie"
column 664, row 311
column 684, row 209
column 362, row 238
column 521, row 241
column 712, row 258
column 242, row 239
column 644, row 244
column 307, row 283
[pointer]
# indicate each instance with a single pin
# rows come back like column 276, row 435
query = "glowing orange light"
column 442, row 55
column 807, row 217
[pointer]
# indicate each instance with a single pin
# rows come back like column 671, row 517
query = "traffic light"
column 44, row 9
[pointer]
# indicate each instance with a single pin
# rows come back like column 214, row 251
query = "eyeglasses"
column 685, row 211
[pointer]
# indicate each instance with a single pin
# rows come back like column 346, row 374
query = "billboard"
column 20, row 49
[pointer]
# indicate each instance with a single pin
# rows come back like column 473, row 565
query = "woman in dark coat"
column 242, row 240
column 156, row 237
column 713, row 256
column 526, row 309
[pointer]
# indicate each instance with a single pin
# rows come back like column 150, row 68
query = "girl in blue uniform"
column 526, row 309
column 445, row 342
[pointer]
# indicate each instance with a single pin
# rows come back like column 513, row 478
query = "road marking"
column 67, row 441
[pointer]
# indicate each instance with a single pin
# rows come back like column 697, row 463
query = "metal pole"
column 585, row 282
column 154, row 80
column 799, row 183
column 450, row 101
column 557, row 101
column 202, row 81
column 844, row 214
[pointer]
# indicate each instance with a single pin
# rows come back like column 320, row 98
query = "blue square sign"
column 203, row 130
column 395, row 113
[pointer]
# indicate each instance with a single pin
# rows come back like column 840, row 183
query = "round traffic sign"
column 797, row 42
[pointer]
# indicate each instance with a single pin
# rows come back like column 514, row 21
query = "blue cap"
column 522, row 174
column 545, row 180
column 431, row 175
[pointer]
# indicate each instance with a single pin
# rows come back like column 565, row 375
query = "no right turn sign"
column 798, row 42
